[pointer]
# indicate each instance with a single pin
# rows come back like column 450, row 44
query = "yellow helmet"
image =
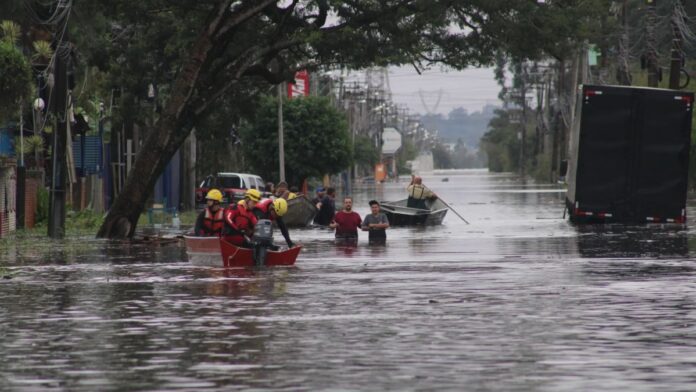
column 280, row 206
column 214, row 194
column 253, row 194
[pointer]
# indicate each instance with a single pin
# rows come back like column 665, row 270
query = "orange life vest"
column 213, row 223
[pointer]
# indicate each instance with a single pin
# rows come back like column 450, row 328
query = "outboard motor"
column 263, row 240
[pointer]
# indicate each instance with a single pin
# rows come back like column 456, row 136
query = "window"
column 229, row 182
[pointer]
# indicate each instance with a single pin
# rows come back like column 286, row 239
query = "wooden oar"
column 453, row 210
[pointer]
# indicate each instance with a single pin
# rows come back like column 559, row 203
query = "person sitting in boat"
column 294, row 191
column 240, row 220
column 274, row 210
column 346, row 222
column 327, row 208
column 418, row 194
column 376, row 224
column 210, row 221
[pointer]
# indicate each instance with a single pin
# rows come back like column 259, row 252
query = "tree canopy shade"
column 199, row 52
column 15, row 80
column 316, row 139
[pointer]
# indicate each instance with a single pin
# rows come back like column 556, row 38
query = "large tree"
column 198, row 52
column 316, row 139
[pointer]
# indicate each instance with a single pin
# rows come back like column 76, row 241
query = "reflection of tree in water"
column 632, row 241
column 151, row 251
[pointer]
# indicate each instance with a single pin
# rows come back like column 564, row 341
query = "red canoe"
column 234, row 256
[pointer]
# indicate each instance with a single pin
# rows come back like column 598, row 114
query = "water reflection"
column 519, row 300
column 624, row 241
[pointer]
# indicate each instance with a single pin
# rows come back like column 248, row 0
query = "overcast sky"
column 471, row 89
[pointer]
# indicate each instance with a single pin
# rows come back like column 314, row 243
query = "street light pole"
column 281, row 147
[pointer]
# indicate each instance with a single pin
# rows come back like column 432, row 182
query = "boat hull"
column 301, row 212
column 235, row 256
column 203, row 250
column 400, row 215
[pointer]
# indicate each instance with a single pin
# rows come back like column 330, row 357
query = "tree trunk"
column 169, row 133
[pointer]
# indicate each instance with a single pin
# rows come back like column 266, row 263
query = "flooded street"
column 519, row 300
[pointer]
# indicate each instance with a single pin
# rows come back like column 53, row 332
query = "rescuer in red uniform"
column 239, row 219
column 274, row 210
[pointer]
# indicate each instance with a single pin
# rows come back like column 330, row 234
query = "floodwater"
column 519, row 300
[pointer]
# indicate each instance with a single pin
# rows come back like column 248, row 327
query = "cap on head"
column 320, row 189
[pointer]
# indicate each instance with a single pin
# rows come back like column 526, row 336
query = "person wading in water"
column 346, row 223
column 376, row 224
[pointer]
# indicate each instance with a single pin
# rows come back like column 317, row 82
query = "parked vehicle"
column 629, row 155
column 232, row 186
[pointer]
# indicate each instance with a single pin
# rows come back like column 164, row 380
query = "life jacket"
column 213, row 223
column 238, row 219
column 263, row 209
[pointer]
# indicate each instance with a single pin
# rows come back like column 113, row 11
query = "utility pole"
column 651, row 55
column 523, row 121
column 21, row 173
column 56, row 213
column 281, row 148
column 624, row 74
column 677, row 53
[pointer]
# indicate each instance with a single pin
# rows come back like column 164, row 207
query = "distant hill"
column 459, row 123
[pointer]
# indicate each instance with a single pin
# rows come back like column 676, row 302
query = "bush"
column 42, row 205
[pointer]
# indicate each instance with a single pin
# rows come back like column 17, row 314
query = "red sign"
column 301, row 86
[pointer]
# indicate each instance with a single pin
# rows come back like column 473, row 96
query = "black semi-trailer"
column 629, row 155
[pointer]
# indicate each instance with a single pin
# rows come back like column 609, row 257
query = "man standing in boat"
column 240, row 221
column 376, row 224
column 210, row 221
column 274, row 210
column 346, row 222
column 418, row 194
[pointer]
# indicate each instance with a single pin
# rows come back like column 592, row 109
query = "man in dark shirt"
column 346, row 222
column 327, row 208
column 376, row 224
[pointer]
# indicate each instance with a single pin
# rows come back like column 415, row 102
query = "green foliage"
column 441, row 157
column 42, row 205
column 364, row 151
column 316, row 139
column 542, row 169
column 10, row 32
column 407, row 152
column 43, row 52
column 15, row 80
column 500, row 143
column 82, row 222
column 33, row 148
